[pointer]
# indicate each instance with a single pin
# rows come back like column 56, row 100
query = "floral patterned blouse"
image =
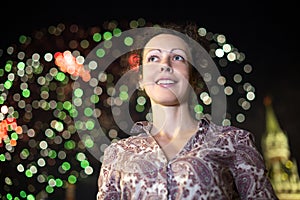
column 218, row 162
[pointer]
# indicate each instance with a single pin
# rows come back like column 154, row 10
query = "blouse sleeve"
column 109, row 177
column 249, row 169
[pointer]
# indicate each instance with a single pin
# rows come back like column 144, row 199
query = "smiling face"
column 165, row 75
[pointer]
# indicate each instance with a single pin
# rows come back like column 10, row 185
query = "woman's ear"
column 140, row 83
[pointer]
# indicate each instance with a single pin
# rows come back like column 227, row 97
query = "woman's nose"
column 166, row 68
column 166, row 63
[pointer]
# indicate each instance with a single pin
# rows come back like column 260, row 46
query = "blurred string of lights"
column 38, row 141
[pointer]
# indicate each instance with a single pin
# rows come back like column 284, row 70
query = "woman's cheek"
column 149, row 74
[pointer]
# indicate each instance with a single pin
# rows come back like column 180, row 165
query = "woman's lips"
column 165, row 82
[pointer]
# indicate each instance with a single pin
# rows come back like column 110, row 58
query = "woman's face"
column 165, row 75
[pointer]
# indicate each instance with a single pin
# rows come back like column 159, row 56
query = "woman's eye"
column 178, row 58
column 152, row 59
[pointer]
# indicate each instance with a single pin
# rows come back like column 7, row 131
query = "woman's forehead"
column 169, row 43
column 166, row 41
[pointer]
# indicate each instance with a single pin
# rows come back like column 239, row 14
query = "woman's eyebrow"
column 160, row 50
column 153, row 50
column 177, row 49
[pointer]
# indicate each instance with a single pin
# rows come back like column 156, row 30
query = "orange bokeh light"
column 67, row 63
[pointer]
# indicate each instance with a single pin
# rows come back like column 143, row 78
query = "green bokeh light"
column 28, row 173
column 67, row 105
column 107, row 35
column 23, row 194
column 2, row 157
column 7, row 84
column 128, row 41
column 72, row 179
column 22, row 39
column 9, row 196
column 100, row 53
column 49, row 189
column 30, row 197
column 14, row 136
column 88, row 111
column 89, row 143
column 78, row 92
column 123, row 95
column 198, row 108
column 94, row 98
column 8, row 66
column 59, row 182
column 90, row 125
column 26, row 93
column 117, row 32
column 1, row 72
column 84, row 163
column 139, row 108
column 60, row 76
column 66, row 166
column 52, row 154
column 70, row 144
column 21, row 65
column 97, row 37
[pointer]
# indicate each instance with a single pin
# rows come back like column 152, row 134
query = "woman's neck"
column 171, row 121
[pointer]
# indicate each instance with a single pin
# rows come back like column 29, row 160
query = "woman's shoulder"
column 137, row 138
column 235, row 134
column 140, row 127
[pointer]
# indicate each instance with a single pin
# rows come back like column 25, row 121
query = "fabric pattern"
column 218, row 162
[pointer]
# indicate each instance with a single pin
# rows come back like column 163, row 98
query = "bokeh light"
column 39, row 144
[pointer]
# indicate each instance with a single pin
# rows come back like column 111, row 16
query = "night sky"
column 266, row 32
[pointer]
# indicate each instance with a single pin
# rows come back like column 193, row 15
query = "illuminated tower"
column 283, row 171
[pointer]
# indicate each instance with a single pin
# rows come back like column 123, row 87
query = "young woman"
column 176, row 156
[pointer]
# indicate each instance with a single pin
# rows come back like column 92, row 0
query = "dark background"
column 266, row 32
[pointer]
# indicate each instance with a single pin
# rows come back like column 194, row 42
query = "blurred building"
column 283, row 170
